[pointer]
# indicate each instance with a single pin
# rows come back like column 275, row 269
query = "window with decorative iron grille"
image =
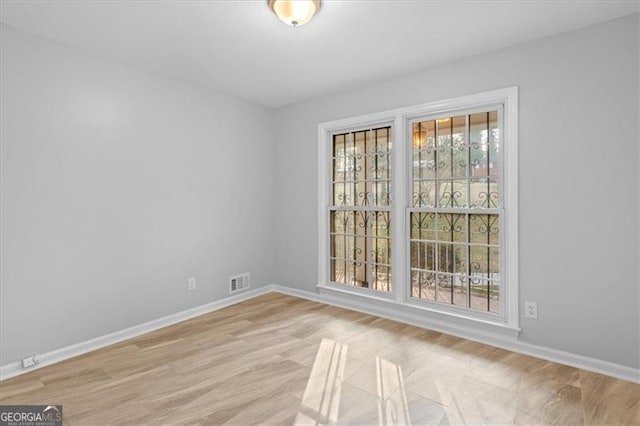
column 419, row 207
column 455, row 218
column 360, row 248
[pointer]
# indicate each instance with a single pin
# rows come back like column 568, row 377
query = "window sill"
column 385, row 305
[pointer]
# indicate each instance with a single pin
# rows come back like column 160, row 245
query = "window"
column 456, row 210
column 360, row 209
column 418, row 206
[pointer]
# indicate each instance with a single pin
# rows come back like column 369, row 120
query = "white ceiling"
column 241, row 48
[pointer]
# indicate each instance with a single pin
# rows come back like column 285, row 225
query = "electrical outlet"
column 192, row 283
column 531, row 310
column 30, row 361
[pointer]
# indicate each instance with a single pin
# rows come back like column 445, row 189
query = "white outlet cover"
column 192, row 283
column 29, row 361
column 531, row 310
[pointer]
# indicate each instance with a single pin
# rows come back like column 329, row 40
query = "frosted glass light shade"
column 295, row 12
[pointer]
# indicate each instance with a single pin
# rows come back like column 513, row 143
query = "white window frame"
column 399, row 120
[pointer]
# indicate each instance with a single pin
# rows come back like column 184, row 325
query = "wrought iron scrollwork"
column 450, row 199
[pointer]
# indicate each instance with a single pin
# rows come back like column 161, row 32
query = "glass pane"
column 478, row 126
column 424, row 164
column 459, row 160
column 361, row 219
column 338, row 246
column 416, row 254
column 423, row 226
column 415, row 284
column 360, row 257
column 338, row 145
column 428, row 285
column 484, row 193
column 360, row 193
column 382, row 223
column 424, row 135
column 444, row 289
column 485, row 160
column 338, row 169
column 478, row 160
column 428, row 226
column 460, row 291
column 459, row 124
column 452, row 258
column 493, row 151
column 423, row 255
column 381, row 250
column 361, row 279
column 338, row 271
column 452, row 193
column 338, row 194
column 349, row 273
column 484, row 228
column 337, row 221
column 493, row 160
column 452, row 152
column 494, row 263
column 452, row 227
column 379, row 166
column 350, row 248
column 359, row 139
column 349, row 193
column 415, row 222
column 494, row 131
column 349, row 222
column 479, row 292
column 460, row 261
column 383, row 193
column 478, row 140
column 424, row 193
column 443, row 162
column 382, row 278
column 383, row 139
column 443, row 132
column 423, row 285
column 360, row 167
column 485, row 262
column 478, row 261
column 494, row 297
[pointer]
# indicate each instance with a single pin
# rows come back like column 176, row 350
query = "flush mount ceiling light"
column 295, row 12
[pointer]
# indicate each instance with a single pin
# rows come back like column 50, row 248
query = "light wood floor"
column 282, row 360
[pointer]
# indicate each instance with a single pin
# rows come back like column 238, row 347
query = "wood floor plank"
column 277, row 359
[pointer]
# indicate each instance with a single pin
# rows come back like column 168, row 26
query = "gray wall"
column 578, row 178
column 118, row 185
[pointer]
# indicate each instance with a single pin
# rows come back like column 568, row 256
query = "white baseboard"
column 15, row 368
column 377, row 309
column 494, row 339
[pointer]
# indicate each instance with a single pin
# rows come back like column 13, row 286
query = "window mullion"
column 399, row 180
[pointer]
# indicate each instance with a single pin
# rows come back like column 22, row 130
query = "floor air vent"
column 239, row 282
